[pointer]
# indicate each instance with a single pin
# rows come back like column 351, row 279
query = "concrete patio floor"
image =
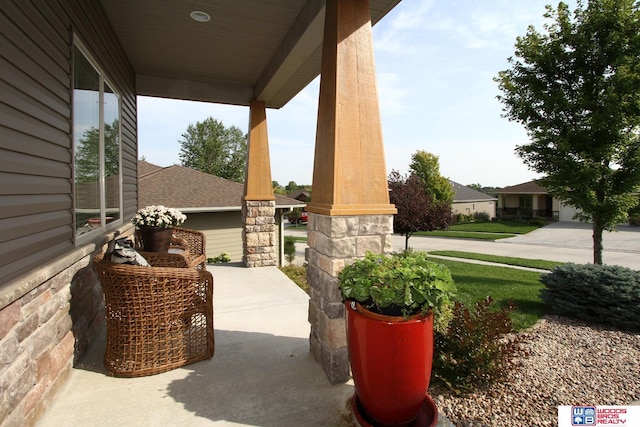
column 262, row 373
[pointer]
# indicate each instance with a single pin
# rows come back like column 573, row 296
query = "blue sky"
column 435, row 62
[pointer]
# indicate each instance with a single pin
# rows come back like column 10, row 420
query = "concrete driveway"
column 561, row 241
column 579, row 235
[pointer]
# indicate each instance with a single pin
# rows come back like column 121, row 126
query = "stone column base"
column 335, row 241
column 259, row 234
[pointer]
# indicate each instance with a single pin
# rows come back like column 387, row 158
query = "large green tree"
column 427, row 166
column 576, row 89
column 210, row 147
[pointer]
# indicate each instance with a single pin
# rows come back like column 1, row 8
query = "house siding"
column 470, row 208
column 36, row 203
column 223, row 232
column 50, row 299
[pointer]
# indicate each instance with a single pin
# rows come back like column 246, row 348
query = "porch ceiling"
column 263, row 49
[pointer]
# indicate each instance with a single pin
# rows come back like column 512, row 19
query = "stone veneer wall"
column 42, row 334
column 333, row 242
column 259, row 234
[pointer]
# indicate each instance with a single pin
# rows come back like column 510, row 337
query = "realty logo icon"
column 583, row 415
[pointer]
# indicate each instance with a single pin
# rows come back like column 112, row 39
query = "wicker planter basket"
column 158, row 318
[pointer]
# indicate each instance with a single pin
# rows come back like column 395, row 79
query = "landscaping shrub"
column 481, row 217
column 462, row 219
column 223, row 257
column 604, row 294
column 298, row 274
column 473, row 351
column 289, row 248
column 537, row 221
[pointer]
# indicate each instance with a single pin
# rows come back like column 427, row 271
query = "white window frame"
column 103, row 79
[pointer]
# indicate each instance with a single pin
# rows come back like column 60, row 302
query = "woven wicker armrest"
column 179, row 243
column 196, row 243
column 164, row 259
column 158, row 318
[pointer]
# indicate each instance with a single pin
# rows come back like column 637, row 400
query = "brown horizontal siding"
column 26, row 55
column 22, row 91
column 13, row 183
column 24, row 204
column 16, row 227
column 20, row 142
column 36, row 192
column 26, row 164
column 20, row 121
column 15, row 250
column 48, row 248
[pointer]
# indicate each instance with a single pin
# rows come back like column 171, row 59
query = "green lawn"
column 511, row 227
column 521, row 262
column 300, row 227
column 465, row 235
column 474, row 282
column 482, row 230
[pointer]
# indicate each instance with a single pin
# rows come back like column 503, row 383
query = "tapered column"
column 259, row 235
column 349, row 175
column 350, row 212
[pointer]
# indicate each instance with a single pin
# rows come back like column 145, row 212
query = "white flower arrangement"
column 158, row 216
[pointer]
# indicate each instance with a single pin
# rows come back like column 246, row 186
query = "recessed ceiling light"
column 200, row 16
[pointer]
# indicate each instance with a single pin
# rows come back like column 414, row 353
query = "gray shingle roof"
column 466, row 194
column 188, row 189
column 530, row 187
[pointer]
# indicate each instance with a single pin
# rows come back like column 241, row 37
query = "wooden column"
column 349, row 213
column 258, row 209
column 258, row 184
column 349, row 175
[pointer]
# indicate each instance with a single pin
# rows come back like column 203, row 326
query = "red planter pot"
column 391, row 362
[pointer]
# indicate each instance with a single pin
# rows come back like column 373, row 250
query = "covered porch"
column 66, row 58
column 261, row 373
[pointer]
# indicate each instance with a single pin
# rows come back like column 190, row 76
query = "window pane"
column 86, row 141
column 112, row 153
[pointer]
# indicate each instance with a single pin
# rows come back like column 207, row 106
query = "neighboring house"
column 212, row 204
column 467, row 201
column 302, row 195
column 530, row 199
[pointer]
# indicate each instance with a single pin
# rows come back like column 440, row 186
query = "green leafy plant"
column 404, row 284
column 472, row 351
column 289, row 248
column 604, row 294
column 223, row 257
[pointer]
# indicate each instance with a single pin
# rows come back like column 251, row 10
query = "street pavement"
column 560, row 241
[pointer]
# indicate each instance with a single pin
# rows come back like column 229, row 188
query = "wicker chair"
column 158, row 318
column 192, row 242
column 196, row 242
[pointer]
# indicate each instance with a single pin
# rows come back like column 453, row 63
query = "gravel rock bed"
column 563, row 362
